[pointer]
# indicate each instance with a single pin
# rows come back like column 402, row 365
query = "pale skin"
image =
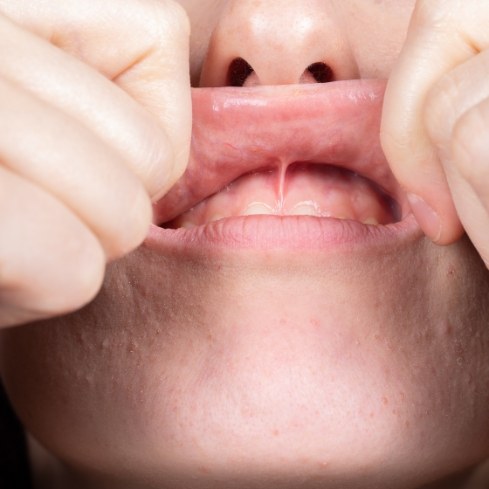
column 104, row 93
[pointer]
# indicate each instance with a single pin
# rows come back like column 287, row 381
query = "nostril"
column 239, row 71
column 321, row 72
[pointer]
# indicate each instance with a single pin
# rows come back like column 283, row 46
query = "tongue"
column 246, row 144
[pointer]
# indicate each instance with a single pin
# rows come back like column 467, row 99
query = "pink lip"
column 293, row 233
column 241, row 130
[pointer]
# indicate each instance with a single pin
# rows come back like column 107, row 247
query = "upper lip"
column 240, row 130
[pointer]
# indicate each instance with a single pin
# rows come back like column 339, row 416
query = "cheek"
column 236, row 362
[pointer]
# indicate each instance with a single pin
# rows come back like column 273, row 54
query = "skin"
column 196, row 370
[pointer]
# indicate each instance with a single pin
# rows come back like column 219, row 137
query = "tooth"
column 187, row 224
column 371, row 221
column 305, row 209
column 257, row 208
column 216, row 217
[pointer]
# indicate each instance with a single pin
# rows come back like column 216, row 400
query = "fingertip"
column 132, row 228
column 440, row 223
column 416, row 165
column 427, row 217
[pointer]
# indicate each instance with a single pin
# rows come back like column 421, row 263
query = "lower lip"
column 287, row 233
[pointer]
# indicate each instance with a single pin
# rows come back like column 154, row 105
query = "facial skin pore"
column 229, row 367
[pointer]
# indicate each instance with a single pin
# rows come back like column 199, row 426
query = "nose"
column 277, row 42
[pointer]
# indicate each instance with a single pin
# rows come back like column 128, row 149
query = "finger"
column 50, row 263
column 57, row 153
column 437, row 42
column 142, row 47
column 469, row 174
column 456, row 124
column 457, row 91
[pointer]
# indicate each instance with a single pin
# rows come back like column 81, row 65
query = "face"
column 327, row 343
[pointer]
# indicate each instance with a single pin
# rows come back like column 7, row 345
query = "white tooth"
column 371, row 221
column 305, row 209
column 216, row 217
column 187, row 224
column 257, row 208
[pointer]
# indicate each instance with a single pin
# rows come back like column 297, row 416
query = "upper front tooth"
column 257, row 208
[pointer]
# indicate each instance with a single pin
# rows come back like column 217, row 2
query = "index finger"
column 442, row 35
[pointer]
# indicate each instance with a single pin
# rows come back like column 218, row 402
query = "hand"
column 95, row 121
column 435, row 129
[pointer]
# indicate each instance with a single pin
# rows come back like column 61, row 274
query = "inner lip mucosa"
column 298, row 189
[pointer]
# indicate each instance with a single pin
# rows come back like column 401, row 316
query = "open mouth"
column 286, row 152
column 299, row 189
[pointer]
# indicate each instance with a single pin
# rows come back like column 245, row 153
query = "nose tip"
column 263, row 42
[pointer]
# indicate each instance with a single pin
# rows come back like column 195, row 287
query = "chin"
column 238, row 369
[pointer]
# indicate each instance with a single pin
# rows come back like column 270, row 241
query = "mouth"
column 297, row 189
column 294, row 157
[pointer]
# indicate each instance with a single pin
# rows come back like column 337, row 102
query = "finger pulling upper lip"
column 241, row 130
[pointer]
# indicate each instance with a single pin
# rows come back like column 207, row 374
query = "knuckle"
column 175, row 18
column 166, row 19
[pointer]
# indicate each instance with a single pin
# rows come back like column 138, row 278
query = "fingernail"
column 427, row 218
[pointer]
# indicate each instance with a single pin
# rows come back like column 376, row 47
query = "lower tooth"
column 216, row 217
column 257, row 208
column 371, row 221
column 305, row 209
column 187, row 225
